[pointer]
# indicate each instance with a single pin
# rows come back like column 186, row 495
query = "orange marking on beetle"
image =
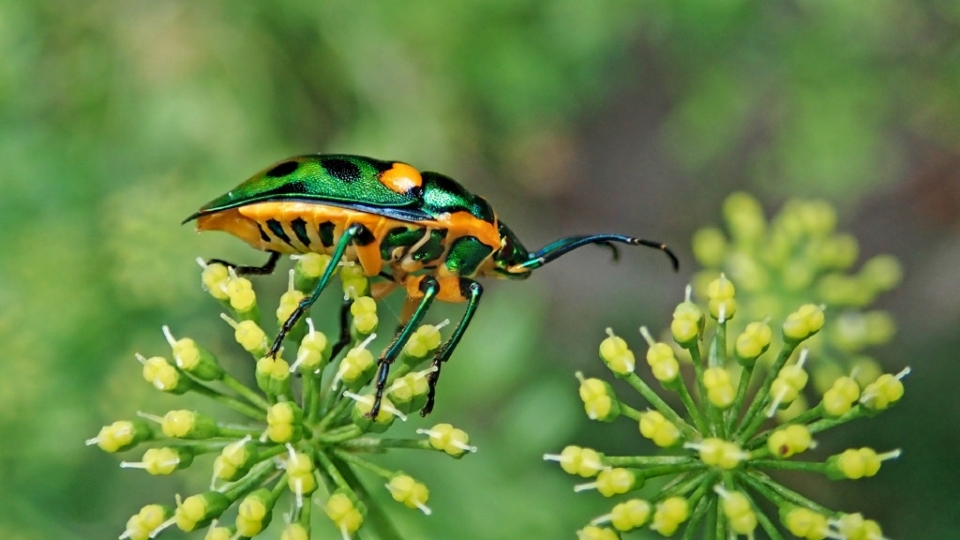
column 449, row 288
column 401, row 178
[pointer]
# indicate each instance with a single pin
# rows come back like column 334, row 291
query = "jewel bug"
column 420, row 231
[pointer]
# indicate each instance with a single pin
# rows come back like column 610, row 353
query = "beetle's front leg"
column 267, row 268
column 348, row 235
column 429, row 288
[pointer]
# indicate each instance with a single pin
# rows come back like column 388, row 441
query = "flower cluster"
column 799, row 257
column 311, row 430
column 722, row 444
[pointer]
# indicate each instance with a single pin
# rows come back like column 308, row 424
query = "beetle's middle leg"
column 267, row 268
column 345, row 240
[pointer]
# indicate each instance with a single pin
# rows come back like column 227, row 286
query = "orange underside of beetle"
column 249, row 221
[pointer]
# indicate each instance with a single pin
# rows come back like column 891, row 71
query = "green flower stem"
column 763, row 520
column 780, row 495
column 377, row 445
column 304, row 517
column 745, row 375
column 717, row 358
column 237, row 432
column 664, row 470
column 230, row 401
column 311, row 394
column 353, row 459
column 689, row 404
column 721, row 524
column 340, row 435
column 697, row 360
column 685, row 485
column 630, row 412
column 648, row 461
column 335, row 413
column 328, row 400
column 248, row 483
column 703, row 506
column 788, row 465
column 232, row 383
column 332, row 471
column 827, row 423
column 661, row 406
column 375, row 515
column 719, row 354
column 271, row 452
column 756, row 407
column 712, row 517
column 280, row 487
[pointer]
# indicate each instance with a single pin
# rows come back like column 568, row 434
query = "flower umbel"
column 310, row 431
column 797, row 257
column 721, row 444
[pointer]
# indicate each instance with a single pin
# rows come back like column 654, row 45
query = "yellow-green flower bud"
column 363, row 408
column 295, row 531
column 882, row 393
column 184, row 424
column 273, row 376
column 855, row 527
column 344, row 512
column 839, row 399
column 687, row 324
column 449, row 439
column 616, row 355
column 880, row 327
column 409, row 492
column 193, row 359
column 744, row 216
column 353, row 281
column 249, row 335
column 663, row 362
column 882, row 272
column 122, row 435
column 409, row 393
column 804, row 523
column 163, row 460
column 592, row 532
column 584, row 462
column 739, row 512
column 254, row 513
column 669, row 515
column 289, row 301
column 719, row 453
column 617, row 481
column 313, row 353
column 284, row 422
column 789, row 440
column 720, row 295
column 709, row 247
column 424, row 341
column 242, row 298
column 143, row 523
column 198, row 511
column 719, row 385
column 300, row 477
column 599, row 400
column 219, row 533
column 364, row 311
column 853, row 464
column 214, row 279
column 235, row 460
column 631, row 514
column 309, row 268
column 164, row 376
column 658, row 429
column 357, row 367
column 753, row 342
column 803, row 323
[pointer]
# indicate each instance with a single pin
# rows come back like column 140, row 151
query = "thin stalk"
column 230, row 382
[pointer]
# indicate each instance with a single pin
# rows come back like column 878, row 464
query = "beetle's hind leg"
column 429, row 287
column 471, row 291
column 267, row 268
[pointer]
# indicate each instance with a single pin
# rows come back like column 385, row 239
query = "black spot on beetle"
column 341, row 169
column 326, row 233
column 263, row 234
column 300, row 229
column 277, row 229
column 283, row 169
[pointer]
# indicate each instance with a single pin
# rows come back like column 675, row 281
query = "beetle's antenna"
column 564, row 245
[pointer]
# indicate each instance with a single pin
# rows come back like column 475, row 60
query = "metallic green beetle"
column 418, row 230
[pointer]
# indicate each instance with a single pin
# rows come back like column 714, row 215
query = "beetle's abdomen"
column 304, row 227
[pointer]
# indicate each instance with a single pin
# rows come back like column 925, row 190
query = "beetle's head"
column 514, row 261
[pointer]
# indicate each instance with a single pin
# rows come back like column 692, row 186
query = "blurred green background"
column 118, row 119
